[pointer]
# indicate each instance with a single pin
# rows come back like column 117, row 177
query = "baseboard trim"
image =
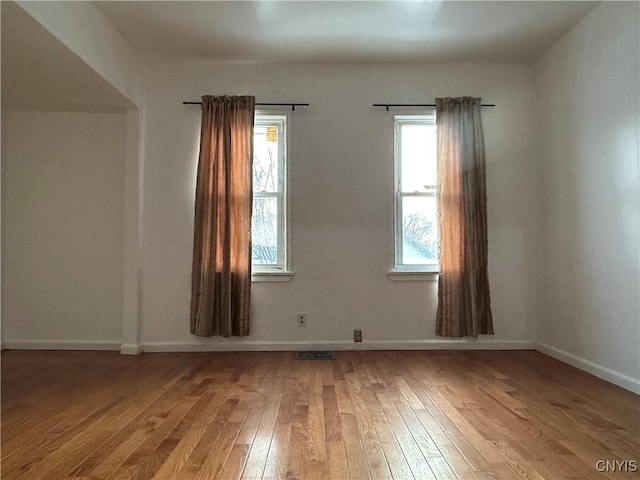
column 257, row 346
column 612, row 376
column 130, row 349
column 225, row 345
column 60, row 345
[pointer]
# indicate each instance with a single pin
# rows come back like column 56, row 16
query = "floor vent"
column 315, row 356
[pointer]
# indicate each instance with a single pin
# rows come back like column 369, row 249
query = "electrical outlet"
column 302, row 319
column 357, row 335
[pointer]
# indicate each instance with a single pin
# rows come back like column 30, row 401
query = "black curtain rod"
column 387, row 105
column 293, row 105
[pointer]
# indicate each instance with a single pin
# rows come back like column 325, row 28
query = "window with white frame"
column 269, row 220
column 416, row 177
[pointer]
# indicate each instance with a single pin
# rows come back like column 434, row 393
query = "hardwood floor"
column 365, row 415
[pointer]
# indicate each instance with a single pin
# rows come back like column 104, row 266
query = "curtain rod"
column 293, row 105
column 387, row 105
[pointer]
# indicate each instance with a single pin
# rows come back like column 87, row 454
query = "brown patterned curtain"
column 464, row 308
column 221, row 274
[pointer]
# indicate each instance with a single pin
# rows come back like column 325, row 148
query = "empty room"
column 320, row 240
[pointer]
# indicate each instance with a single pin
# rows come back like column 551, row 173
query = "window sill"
column 409, row 276
column 260, row 277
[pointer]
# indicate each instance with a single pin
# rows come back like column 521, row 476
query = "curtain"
column 221, row 274
column 463, row 288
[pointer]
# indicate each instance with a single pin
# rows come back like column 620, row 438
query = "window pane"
column 418, row 160
column 264, row 231
column 265, row 158
column 419, row 231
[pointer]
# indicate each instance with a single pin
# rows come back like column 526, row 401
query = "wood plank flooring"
column 365, row 415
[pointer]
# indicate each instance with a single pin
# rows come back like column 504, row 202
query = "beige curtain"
column 221, row 274
column 463, row 289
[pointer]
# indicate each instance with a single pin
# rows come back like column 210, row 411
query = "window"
column 269, row 221
column 416, row 177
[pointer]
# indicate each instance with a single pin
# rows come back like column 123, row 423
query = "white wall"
column 62, row 228
column 341, row 177
column 588, row 92
column 83, row 28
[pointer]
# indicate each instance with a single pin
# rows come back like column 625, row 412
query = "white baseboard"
column 617, row 378
column 231, row 345
column 258, row 346
column 130, row 349
column 60, row 345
